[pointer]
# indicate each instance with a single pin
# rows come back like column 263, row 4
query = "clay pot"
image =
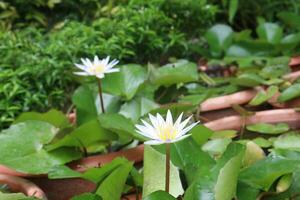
column 17, row 184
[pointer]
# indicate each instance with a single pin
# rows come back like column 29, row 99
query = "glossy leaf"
column 219, row 38
column 262, row 142
column 201, row 134
column 54, row 117
column 22, row 148
column 126, row 82
column 253, row 154
column 263, row 173
column 159, row 195
column 220, row 183
column 154, row 174
column 61, row 171
column 270, row 32
column 217, row 146
column 290, row 93
column 179, row 72
column 263, row 96
column 248, row 80
column 137, row 108
column 269, row 128
column 87, row 196
column 284, row 183
column 290, row 141
column 84, row 136
column 112, row 187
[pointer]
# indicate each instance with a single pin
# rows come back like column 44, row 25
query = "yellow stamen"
column 167, row 132
column 98, row 68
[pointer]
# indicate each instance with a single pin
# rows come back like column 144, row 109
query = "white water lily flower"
column 96, row 68
column 164, row 131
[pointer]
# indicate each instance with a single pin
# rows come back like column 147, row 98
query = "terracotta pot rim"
column 24, row 186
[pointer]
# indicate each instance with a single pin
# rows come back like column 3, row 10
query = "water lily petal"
column 154, row 142
column 82, row 73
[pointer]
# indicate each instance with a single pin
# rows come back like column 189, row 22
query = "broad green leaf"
column 289, row 42
column 269, row 128
column 85, row 135
column 201, row 134
column 248, row 80
column 284, row 183
column 87, row 102
column 262, row 142
column 154, row 174
column 195, row 99
column 217, row 146
column 137, row 108
column 263, row 173
column 220, row 183
column 219, row 37
column 253, row 154
column 126, row 82
column 290, row 141
column 289, row 18
column 87, row 196
column 54, row 117
column 97, row 175
column 270, row 32
column 275, row 68
column 246, row 192
column 224, row 134
column 233, row 7
column 22, row 148
column 189, row 157
column 112, row 187
column 120, row 125
column 159, row 195
column 180, row 72
column 290, row 93
column 175, row 108
column 263, row 96
column 12, row 196
column 61, row 171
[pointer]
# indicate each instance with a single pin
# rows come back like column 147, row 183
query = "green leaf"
column 246, row 192
column 270, row 32
column 85, row 135
column 219, row 38
column 137, row 108
column 112, row 187
column 216, row 147
column 253, row 154
column 193, row 99
column 159, row 195
column 189, row 157
column 220, row 183
column 61, row 171
column 12, row 196
column 201, row 134
column 263, row 96
column 276, row 68
column 87, row 102
column 289, row 18
column 154, row 173
column 290, row 141
column 248, row 80
column 290, row 93
column 180, row 72
column 120, row 125
column 87, row 196
column 262, row 142
column 284, row 183
column 233, row 6
column 97, row 175
column 54, row 117
column 269, row 128
column 126, row 82
column 224, row 134
column 22, row 148
column 263, row 173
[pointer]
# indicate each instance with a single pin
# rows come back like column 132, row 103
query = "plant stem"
column 167, row 185
column 100, row 95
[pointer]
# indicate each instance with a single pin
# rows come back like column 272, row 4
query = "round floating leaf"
column 269, row 128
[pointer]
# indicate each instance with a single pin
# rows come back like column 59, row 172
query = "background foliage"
column 40, row 40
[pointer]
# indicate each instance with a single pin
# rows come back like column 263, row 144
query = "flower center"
column 98, row 68
column 167, row 132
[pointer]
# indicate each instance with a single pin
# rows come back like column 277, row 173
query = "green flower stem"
column 167, row 185
column 100, row 95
